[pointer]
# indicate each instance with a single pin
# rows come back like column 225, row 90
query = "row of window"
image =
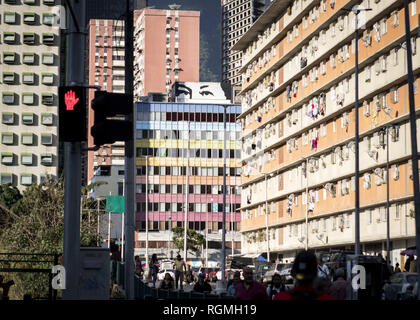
column 8, row 158
column 185, row 116
column 183, row 135
column 28, row 98
column 180, row 189
column 27, row 118
column 28, row 78
column 30, row 2
column 30, row 18
column 25, row 178
column 29, row 139
column 29, row 38
column 192, row 225
column 193, row 153
column 179, row 207
column 30, row 58
column 193, row 171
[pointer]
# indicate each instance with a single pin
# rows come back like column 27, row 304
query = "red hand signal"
column 70, row 100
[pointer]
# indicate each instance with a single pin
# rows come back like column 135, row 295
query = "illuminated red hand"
column 70, row 100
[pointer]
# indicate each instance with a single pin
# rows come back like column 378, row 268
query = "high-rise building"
column 298, row 119
column 166, row 47
column 106, row 69
column 186, row 138
column 29, row 70
column 237, row 18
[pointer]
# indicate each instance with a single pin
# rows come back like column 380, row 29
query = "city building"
column 106, row 69
column 29, row 72
column 298, row 127
column 180, row 158
column 166, row 49
column 237, row 18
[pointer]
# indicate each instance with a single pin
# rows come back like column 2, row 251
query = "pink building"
column 167, row 49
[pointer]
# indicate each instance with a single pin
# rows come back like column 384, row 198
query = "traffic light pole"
column 73, row 161
column 130, row 160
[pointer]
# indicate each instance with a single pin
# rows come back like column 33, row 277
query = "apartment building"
column 166, row 49
column 106, row 69
column 298, row 153
column 29, row 69
column 237, row 18
column 186, row 136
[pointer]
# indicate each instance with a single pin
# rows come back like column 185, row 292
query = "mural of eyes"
column 206, row 93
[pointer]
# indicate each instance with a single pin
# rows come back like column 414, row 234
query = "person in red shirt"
column 304, row 270
column 249, row 289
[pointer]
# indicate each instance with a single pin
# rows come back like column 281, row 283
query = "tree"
column 9, row 195
column 194, row 239
column 37, row 226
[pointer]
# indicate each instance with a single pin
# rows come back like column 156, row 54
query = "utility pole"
column 186, row 194
column 73, row 161
column 413, row 132
column 224, row 197
column 267, row 238
column 130, row 160
column 388, row 261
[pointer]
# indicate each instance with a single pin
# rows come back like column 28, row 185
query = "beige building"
column 298, row 125
column 29, row 70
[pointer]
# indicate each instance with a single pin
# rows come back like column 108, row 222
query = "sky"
column 210, row 33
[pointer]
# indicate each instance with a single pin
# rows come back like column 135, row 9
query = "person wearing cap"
column 249, row 289
column 304, row 270
column 202, row 285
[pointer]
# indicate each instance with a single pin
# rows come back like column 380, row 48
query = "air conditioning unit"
column 373, row 154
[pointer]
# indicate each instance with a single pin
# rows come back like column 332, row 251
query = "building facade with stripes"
column 298, row 127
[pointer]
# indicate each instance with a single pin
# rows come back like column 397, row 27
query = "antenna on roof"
column 174, row 6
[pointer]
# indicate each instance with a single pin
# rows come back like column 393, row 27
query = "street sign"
column 115, row 204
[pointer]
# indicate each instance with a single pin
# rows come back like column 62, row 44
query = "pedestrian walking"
column 236, row 280
column 277, row 285
column 138, row 267
column 339, row 286
column 304, row 270
column 249, row 289
column 407, row 263
column 202, row 285
column 323, row 271
column 154, row 269
column 397, row 268
column 179, row 267
column 413, row 265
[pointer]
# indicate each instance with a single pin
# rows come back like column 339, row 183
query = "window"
column 28, row 78
column 29, row 38
column 27, row 118
column 48, row 58
column 8, row 77
column 26, row 179
column 48, row 2
column 7, row 118
column 29, row 18
column 26, row 159
column 6, row 178
column 7, row 158
column 47, row 119
column 27, row 138
column 9, row 57
column 9, row 37
column 47, row 19
column 29, row 1
column 46, row 159
column 8, row 97
column 7, row 138
column 47, row 78
column 28, row 98
column 28, row 58
column 47, row 99
column 46, row 139
column 48, row 38
column 9, row 17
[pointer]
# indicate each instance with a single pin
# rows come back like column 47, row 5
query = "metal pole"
column 73, row 164
column 266, row 219
column 306, row 215
column 130, row 159
column 147, row 215
column 356, row 139
column 186, row 195
column 109, row 230
column 231, row 216
column 169, row 233
column 98, row 222
column 387, row 201
column 207, row 238
column 224, row 197
column 413, row 133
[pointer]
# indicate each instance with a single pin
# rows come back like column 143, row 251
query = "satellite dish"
column 174, row 6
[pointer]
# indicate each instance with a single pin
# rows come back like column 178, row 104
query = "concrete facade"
column 298, row 127
column 29, row 70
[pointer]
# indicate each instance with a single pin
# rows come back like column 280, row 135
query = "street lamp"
column 231, row 218
column 207, row 234
column 169, row 232
column 266, row 217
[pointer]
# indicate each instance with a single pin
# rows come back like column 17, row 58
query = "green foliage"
column 9, row 196
column 194, row 239
column 37, row 226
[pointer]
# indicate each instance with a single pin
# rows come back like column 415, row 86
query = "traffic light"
column 106, row 129
column 72, row 114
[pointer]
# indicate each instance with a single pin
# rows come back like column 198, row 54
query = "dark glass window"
column 219, row 225
column 179, row 188
column 202, row 189
column 168, row 171
column 167, row 207
column 190, row 189
column 167, row 188
column 179, row 207
column 155, row 206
